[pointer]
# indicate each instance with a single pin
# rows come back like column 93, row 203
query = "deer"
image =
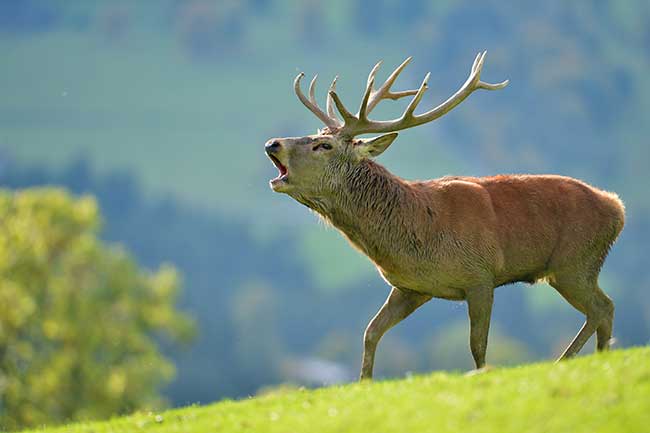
column 457, row 237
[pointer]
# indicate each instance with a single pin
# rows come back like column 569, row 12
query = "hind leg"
column 587, row 330
column 604, row 330
column 585, row 296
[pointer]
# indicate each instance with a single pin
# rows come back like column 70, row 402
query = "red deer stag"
column 455, row 238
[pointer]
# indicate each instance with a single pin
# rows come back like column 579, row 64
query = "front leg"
column 397, row 307
column 479, row 306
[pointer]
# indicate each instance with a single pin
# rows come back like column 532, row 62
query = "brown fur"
column 442, row 236
column 457, row 238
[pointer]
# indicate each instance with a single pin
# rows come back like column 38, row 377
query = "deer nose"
column 272, row 146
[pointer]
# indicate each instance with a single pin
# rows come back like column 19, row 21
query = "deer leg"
column 587, row 330
column 604, row 335
column 585, row 296
column 604, row 330
column 397, row 307
column 479, row 306
column 600, row 314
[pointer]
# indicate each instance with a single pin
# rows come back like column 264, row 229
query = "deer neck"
column 367, row 204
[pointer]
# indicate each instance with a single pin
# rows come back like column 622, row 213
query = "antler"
column 384, row 91
column 360, row 124
column 330, row 120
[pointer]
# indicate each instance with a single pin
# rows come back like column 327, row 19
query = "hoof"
column 481, row 370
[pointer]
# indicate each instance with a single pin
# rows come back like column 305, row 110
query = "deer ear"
column 372, row 147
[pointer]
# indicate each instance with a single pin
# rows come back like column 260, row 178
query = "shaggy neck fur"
column 374, row 209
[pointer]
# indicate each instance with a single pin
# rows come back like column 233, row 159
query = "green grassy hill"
column 598, row 393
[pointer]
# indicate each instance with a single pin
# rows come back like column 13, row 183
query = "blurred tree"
column 257, row 345
column 369, row 16
column 78, row 320
column 28, row 16
column 208, row 29
column 220, row 262
column 311, row 28
column 114, row 22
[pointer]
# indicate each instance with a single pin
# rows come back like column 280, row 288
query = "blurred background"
column 150, row 118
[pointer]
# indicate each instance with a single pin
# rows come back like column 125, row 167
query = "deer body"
column 455, row 238
column 442, row 237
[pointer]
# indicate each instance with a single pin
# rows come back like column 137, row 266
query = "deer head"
column 309, row 165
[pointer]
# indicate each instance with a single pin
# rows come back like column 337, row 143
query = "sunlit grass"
column 597, row 393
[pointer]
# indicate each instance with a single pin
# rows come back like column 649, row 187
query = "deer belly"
column 426, row 283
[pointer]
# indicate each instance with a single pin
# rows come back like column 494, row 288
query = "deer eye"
column 325, row 146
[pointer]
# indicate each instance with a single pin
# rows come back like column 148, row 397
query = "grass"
column 597, row 393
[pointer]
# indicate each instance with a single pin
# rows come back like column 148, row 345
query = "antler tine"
column 330, row 103
column 418, row 97
column 484, row 85
column 311, row 104
column 363, row 109
column 479, row 58
column 348, row 118
column 373, row 72
column 392, row 77
column 312, row 90
column 384, row 92
column 495, row 86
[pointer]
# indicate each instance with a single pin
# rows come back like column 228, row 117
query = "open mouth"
column 282, row 175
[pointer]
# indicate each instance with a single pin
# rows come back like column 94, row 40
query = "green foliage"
column 78, row 319
column 607, row 392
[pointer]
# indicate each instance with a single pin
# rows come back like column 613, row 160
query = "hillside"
column 596, row 393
